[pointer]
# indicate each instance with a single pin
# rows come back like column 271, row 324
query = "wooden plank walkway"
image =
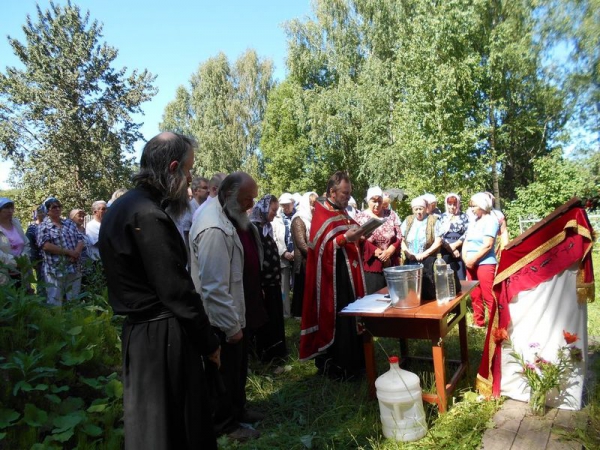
column 517, row 429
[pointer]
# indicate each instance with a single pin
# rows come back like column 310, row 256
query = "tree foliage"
column 555, row 181
column 525, row 111
column 223, row 109
column 417, row 94
column 65, row 117
column 572, row 28
column 284, row 144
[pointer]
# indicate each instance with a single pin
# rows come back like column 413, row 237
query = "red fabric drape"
column 542, row 255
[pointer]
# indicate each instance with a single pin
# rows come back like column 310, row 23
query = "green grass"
column 305, row 410
column 590, row 437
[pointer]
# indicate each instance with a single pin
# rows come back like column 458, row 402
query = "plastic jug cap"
column 393, row 360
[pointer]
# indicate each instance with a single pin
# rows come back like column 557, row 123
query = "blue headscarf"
column 260, row 214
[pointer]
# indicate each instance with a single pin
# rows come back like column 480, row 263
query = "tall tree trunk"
column 494, row 153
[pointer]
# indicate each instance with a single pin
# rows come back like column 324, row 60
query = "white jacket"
column 217, row 266
column 279, row 237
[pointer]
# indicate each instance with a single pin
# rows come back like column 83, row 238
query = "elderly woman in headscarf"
column 454, row 224
column 422, row 239
column 300, row 235
column 479, row 256
column 270, row 338
column 13, row 243
column 61, row 247
column 422, row 233
column 382, row 247
column 432, row 208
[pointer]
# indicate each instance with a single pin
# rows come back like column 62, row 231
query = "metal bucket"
column 404, row 285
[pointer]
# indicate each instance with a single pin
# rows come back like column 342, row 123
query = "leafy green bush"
column 556, row 180
column 60, row 387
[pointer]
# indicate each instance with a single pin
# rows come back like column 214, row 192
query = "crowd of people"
column 61, row 249
column 207, row 273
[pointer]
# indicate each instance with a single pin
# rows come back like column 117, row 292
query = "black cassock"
column 166, row 333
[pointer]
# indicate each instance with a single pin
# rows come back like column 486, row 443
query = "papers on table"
column 373, row 303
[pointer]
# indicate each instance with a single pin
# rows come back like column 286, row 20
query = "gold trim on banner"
column 585, row 291
column 483, row 386
column 549, row 244
column 532, row 256
column 583, row 231
column 592, row 237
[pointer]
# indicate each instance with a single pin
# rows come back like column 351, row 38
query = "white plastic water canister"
column 401, row 404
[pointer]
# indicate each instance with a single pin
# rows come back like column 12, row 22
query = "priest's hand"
column 353, row 235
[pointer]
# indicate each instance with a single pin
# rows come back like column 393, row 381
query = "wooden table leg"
column 403, row 351
column 439, row 368
column 464, row 342
column 370, row 365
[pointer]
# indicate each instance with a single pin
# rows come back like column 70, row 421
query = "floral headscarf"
column 457, row 197
column 260, row 214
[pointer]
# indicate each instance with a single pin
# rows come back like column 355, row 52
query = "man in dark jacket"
column 167, row 332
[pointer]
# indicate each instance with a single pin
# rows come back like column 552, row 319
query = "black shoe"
column 251, row 416
column 243, row 434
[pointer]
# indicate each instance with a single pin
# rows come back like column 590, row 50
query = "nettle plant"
column 59, row 366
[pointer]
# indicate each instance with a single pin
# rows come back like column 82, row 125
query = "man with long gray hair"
column 225, row 266
column 166, row 402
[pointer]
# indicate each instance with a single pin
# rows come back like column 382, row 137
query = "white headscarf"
column 482, row 200
column 429, row 198
column 418, row 201
column 303, row 211
column 374, row 191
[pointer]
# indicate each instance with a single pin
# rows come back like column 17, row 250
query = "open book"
column 368, row 227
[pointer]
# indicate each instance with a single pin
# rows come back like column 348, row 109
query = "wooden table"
column 428, row 321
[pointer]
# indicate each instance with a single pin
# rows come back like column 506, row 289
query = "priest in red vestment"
column 334, row 278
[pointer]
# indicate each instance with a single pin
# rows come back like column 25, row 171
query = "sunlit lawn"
column 305, row 410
